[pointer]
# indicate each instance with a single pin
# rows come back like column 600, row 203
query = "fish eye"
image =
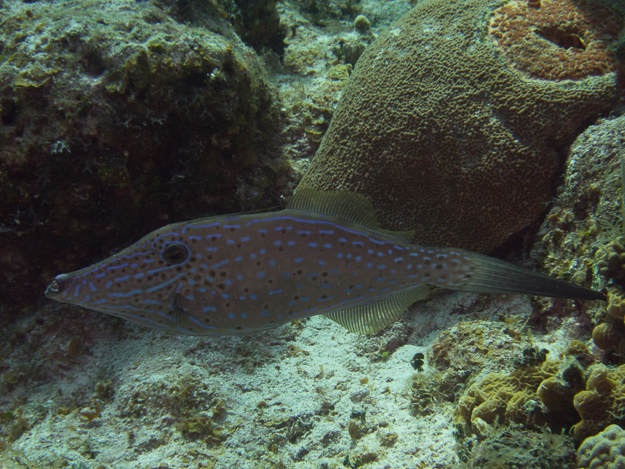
column 58, row 284
column 175, row 253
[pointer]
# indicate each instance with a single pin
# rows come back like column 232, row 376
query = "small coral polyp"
column 558, row 39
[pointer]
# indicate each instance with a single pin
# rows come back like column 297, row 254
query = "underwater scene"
column 321, row 234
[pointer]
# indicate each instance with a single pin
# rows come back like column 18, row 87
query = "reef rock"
column 117, row 119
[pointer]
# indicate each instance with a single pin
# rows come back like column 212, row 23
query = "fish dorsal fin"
column 371, row 318
column 346, row 205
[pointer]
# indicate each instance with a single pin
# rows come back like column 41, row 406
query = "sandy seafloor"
column 282, row 398
column 86, row 391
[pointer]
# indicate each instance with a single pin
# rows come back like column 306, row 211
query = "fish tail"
column 491, row 275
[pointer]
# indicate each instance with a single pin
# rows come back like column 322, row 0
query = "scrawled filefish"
column 324, row 254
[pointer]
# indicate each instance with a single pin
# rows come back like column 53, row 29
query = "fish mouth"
column 56, row 287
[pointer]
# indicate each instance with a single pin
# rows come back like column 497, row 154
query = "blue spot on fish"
column 230, row 315
column 275, row 292
column 206, row 309
column 260, row 274
column 299, row 259
column 118, row 294
column 265, row 313
column 245, row 239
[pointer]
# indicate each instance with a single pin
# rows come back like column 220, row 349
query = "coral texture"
column 562, row 40
column 577, row 236
column 501, row 397
column 531, row 395
column 115, row 120
column 603, row 401
column 605, row 450
column 445, row 136
column 529, row 450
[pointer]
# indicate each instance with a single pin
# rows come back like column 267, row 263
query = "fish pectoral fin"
column 376, row 316
column 180, row 318
column 346, row 205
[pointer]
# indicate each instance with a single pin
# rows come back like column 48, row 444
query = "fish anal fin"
column 345, row 205
column 373, row 317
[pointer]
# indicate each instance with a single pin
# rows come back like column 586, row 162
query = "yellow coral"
column 603, row 401
column 506, row 397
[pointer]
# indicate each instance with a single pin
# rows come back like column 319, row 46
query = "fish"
column 325, row 253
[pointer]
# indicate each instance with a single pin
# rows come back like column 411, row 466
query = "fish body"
column 324, row 254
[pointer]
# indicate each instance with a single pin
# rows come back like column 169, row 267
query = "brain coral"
column 605, row 450
column 448, row 136
column 603, row 401
column 530, row 395
column 500, row 397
